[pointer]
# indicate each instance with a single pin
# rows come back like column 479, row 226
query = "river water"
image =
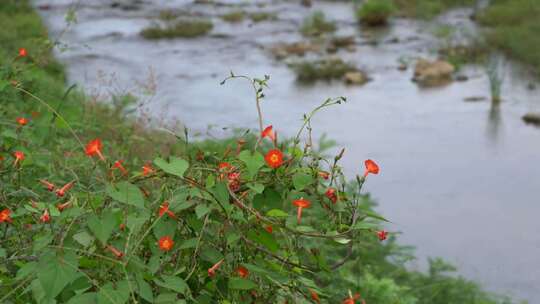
column 461, row 180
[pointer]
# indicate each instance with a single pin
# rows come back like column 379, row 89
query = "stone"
column 433, row 73
column 355, row 78
column 462, row 78
column 283, row 50
column 475, row 98
column 532, row 118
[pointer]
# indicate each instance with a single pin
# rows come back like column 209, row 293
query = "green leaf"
column 165, row 226
column 83, row 238
column 56, row 272
column 258, row 188
column 85, row 298
column 221, row 192
column 167, row 298
column 301, row 180
column 241, row 284
column 264, row 238
column 176, row 166
column 253, row 161
column 26, row 270
column 126, row 193
column 108, row 294
column 102, row 228
column 277, row 213
column 202, row 210
column 269, row 199
column 374, row 215
column 343, row 241
column 42, row 241
column 173, row 283
column 134, row 223
column 144, row 290
column 191, row 243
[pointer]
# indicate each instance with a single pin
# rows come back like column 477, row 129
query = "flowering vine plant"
column 259, row 221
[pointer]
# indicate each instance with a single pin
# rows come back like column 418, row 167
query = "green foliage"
column 324, row 69
column 428, row 9
column 316, row 25
column 262, row 16
column 514, row 27
column 234, row 16
column 103, row 246
column 177, row 29
column 375, row 12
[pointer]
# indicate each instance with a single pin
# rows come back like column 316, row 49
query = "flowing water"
column 459, row 179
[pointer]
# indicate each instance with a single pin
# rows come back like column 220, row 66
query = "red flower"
column 314, row 296
column 269, row 229
column 301, row 204
column 242, row 271
column 22, row 121
column 382, row 235
column 94, row 148
column 119, row 254
column 351, row 299
column 371, row 167
column 212, row 270
column 147, row 169
column 224, row 166
column 118, row 165
column 166, row 243
column 331, row 194
column 234, row 181
column 22, row 52
column 62, row 191
column 63, row 206
column 269, row 132
column 45, row 218
column 164, row 208
column 19, row 157
column 5, row 216
column 323, row 174
column 274, row 158
column 50, row 186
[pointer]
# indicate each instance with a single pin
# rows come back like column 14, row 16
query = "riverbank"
column 52, row 150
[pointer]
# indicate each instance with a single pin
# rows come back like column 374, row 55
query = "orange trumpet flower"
column 371, row 167
column 94, row 148
column 301, row 204
column 212, row 270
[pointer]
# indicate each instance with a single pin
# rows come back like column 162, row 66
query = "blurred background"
column 442, row 94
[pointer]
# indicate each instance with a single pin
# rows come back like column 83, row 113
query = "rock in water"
column 357, row 78
column 532, row 118
column 433, row 73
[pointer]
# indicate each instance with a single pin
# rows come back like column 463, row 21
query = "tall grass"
column 514, row 27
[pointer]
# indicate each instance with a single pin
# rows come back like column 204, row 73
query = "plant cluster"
column 177, row 29
column 95, row 208
column 375, row 12
column 322, row 69
column 317, row 25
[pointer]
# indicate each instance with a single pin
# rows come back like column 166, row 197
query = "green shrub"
column 428, row 9
column 178, row 29
column 234, row 16
column 262, row 16
column 324, row 69
column 316, row 25
column 514, row 27
column 375, row 12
